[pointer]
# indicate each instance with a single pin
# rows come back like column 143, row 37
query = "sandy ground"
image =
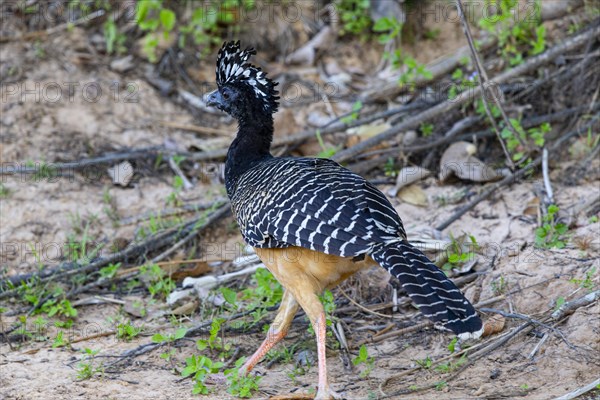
column 44, row 213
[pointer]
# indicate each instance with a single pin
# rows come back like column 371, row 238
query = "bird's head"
column 242, row 88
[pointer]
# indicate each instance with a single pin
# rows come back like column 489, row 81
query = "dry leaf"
column 186, row 309
column 459, row 160
column 413, row 194
column 369, row 130
column 122, row 173
column 493, row 325
column 178, row 270
column 406, row 176
column 532, row 208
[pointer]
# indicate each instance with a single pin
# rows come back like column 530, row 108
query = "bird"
column 314, row 223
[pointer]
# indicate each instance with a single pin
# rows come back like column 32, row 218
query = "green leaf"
column 363, row 353
column 179, row 333
column 383, row 24
column 452, row 345
column 167, row 18
column 229, row 295
column 201, row 344
column 158, row 338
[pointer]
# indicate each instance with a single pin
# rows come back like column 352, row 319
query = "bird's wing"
column 316, row 204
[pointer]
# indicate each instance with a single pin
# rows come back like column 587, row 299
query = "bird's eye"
column 226, row 96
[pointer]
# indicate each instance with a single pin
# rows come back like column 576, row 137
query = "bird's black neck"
column 251, row 146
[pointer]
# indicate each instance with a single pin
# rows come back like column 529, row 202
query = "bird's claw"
column 327, row 394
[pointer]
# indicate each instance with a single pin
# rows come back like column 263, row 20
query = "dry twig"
column 484, row 84
column 468, row 96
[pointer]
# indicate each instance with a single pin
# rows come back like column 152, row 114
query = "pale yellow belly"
column 296, row 265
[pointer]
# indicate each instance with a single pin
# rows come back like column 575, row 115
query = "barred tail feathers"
column 437, row 297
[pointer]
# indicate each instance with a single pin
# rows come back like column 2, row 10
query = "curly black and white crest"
column 233, row 67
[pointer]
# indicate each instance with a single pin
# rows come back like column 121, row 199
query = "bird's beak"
column 214, row 99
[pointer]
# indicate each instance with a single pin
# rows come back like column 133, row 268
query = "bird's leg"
column 314, row 309
column 320, row 328
column 277, row 331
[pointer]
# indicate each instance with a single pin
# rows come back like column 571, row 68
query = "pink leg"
column 320, row 327
column 277, row 331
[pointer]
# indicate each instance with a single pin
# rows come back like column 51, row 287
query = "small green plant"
column 390, row 169
column 441, row 385
column 535, row 135
column 168, row 355
column 127, row 331
column 81, row 246
column 285, row 355
column 552, row 233
column 587, row 283
column 499, row 286
column 432, row 34
column 267, row 293
column 363, row 358
column 110, row 208
column 326, row 151
column 413, row 69
column 241, row 385
column 425, row 363
column 457, row 255
column 452, row 344
column 198, row 367
column 88, row 368
column 462, row 82
column 230, row 296
column 355, row 17
column 516, row 35
column 169, row 338
column 152, row 17
column 559, row 303
column 451, row 366
column 214, row 342
column 115, row 40
column 158, row 282
column 388, row 29
column 61, row 308
column 353, row 116
column 426, row 129
column 109, row 271
column 4, row 191
column 59, row 340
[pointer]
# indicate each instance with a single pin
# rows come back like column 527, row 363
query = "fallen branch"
column 468, row 96
column 54, row 29
column 582, row 390
column 570, row 306
column 156, row 242
column 53, row 168
column 328, row 129
column 484, row 84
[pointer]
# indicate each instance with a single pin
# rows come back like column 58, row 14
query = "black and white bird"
column 313, row 222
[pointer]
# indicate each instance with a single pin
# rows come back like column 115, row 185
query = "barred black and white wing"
column 319, row 205
column 313, row 203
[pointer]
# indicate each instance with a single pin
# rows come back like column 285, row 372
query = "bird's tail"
column 437, row 297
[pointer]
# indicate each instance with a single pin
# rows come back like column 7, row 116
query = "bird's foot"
column 327, row 394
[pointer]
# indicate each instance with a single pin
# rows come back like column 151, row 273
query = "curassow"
column 313, row 222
